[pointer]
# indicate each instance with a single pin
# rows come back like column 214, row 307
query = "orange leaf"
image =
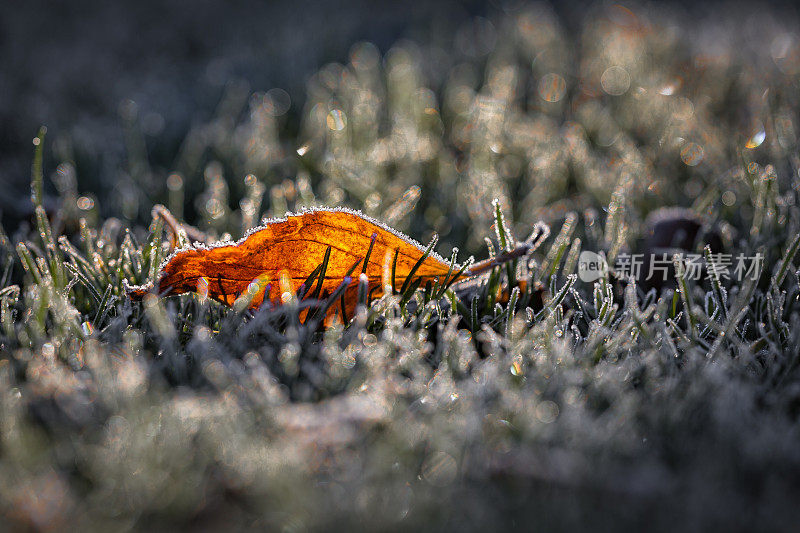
column 273, row 261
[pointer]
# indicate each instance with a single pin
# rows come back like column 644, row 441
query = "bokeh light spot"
column 336, row 120
column 85, row 203
column 615, row 81
column 552, row 87
column 728, row 198
column 692, row 154
column 277, row 102
column 756, row 139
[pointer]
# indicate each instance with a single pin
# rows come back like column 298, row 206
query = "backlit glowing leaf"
column 273, row 261
column 317, row 255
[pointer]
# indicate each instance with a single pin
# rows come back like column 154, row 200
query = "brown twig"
column 176, row 228
column 504, row 257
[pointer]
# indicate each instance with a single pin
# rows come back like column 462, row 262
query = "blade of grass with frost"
column 710, row 308
column 498, row 313
column 394, row 271
column 667, row 341
column 409, row 292
column 307, row 285
column 449, row 283
column 572, row 257
column 638, row 317
column 320, row 272
column 720, row 295
column 555, row 301
column 153, row 252
column 760, row 203
column 348, row 277
column 37, row 173
column 489, row 246
column 581, row 313
column 786, row 262
column 404, row 289
column 5, row 279
column 93, row 290
column 452, row 299
column 42, row 223
column 368, row 254
column 86, row 237
column 11, row 292
column 615, row 224
column 492, row 288
column 607, row 307
column 28, row 263
column 427, row 292
column 597, row 298
column 738, row 312
column 75, row 257
column 9, row 296
column 334, row 298
column 683, row 289
column 473, row 314
column 505, row 239
column 132, row 256
column 774, row 313
column 103, row 308
column 52, row 257
column 552, row 260
column 363, row 288
column 439, row 288
column 678, row 331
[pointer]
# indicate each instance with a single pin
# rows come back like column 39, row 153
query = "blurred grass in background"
column 610, row 407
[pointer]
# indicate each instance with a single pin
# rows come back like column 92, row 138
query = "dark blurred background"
column 72, row 65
